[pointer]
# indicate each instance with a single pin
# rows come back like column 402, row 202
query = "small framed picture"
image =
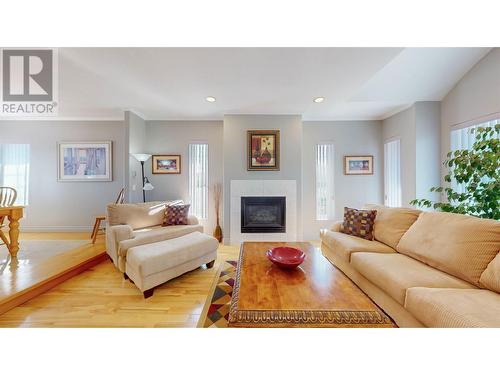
column 84, row 161
column 166, row 164
column 358, row 165
column 263, row 150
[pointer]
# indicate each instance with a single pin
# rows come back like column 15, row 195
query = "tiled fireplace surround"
column 260, row 188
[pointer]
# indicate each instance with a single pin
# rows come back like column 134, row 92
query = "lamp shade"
column 148, row 186
column 141, row 157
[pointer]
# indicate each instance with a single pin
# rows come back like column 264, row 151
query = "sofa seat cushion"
column 395, row 273
column 391, row 223
column 160, row 256
column 454, row 307
column 156, row 234
column 460, row 245
column 344, row 245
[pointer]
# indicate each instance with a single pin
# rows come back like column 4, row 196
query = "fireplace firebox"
column 263, row 214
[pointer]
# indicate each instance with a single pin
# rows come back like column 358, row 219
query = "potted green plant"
column 478, row 169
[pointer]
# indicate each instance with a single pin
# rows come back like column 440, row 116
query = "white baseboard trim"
column 37, row 228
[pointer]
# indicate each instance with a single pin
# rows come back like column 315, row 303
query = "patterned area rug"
column 215, row 313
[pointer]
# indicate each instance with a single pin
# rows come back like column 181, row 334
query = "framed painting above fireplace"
column 263, row 150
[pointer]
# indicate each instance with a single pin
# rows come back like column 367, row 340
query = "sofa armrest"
column 114, row 235
column 336, row 226
column 192, row 220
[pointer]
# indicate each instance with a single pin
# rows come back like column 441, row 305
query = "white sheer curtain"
column 463, row 139
column 392, row 173
column 15, row 169
column 198, row 179
column 325, row 199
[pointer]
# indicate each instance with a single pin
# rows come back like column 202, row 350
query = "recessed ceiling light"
column 210, row 99
column 319, row 99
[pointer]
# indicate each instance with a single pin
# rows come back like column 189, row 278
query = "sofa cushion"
column 344, row 245
column 392, row 223
column 490, row 278
column 457, row 244
column 395, row 273
column 454, row 307
column 358, row 223
column 160, row 256
column 156, row 234
column 137, row 215
column 176, row 214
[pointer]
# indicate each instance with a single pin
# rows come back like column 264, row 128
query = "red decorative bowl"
column 286, row 257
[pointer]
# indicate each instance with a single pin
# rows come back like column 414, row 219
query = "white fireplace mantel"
column 263, row 188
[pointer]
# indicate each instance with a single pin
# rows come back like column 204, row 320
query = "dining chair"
column 99, row 219
column 8, row 196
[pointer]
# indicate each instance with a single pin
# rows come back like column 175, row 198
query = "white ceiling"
column 172, row 83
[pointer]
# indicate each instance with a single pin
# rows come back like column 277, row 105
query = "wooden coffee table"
column 316, row 294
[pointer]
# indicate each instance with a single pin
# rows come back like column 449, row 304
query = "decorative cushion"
column 137, row 215
column 392, row 222
column 176, row 214
column 358, row 223
column 460, row 245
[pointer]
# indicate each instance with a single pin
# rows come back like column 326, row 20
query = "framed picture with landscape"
column 358, row 165
column 166, row 164
column 85, row 161
column 263, row 150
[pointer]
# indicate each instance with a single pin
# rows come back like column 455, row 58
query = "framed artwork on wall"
column 166, row 164
column 358, row 165
column 263, row 150
column 85, row 161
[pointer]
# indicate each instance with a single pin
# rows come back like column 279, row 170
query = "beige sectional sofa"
column 431, row 269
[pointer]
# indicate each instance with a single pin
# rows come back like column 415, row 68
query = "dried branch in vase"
column 217, row 200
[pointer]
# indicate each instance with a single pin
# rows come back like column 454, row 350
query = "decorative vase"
column 218, row 232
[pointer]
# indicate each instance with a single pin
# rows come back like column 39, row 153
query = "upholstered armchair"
column 130, row 225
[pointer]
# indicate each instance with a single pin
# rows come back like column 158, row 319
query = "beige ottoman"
column 155, row 263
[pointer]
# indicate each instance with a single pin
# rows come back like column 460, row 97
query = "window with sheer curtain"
column 198, row 179
column 463, row 139
column 15, row 169
column 325, row 200
column 392, row 173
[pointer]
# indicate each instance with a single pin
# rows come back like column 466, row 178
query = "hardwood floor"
column 100, row 297
column 37, row 269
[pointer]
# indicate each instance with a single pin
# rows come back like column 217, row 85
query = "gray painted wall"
column 402, row 126
column 427, row 148
column 65, row 206
column 235, row 154
column 475, row 97
column 418, row 129
column 349, row 138
column 136, row 130
column 173, row 137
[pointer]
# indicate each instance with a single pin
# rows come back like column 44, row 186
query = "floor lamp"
column 146, row 185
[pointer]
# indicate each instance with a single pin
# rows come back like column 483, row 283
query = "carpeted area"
column 215, row 313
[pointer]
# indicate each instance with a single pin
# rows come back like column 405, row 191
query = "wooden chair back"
column 8, row 196
column 121, row 196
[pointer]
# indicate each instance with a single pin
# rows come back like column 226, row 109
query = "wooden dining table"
column 13, row 214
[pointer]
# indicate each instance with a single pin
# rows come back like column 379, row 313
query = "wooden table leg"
column 14, row 233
